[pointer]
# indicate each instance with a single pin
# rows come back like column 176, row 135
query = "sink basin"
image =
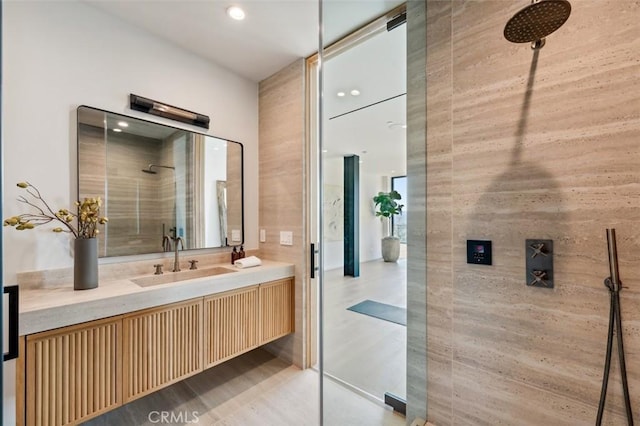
column 172, row 277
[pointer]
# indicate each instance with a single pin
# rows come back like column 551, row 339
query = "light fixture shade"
column 139, row 103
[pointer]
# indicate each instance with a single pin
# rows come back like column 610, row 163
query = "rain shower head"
column 153, row 172
column 536, row 21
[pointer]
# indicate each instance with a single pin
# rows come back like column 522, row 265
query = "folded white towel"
column 248, row 262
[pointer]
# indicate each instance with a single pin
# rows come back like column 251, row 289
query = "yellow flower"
column 87, row 212
column 12, row 221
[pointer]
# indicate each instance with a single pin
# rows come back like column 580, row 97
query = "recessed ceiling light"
column 236, row 13
column 123, row 124
column 325, row 150
column 355, row 92
column 117, row 130
column 341, row 94
column 360, row 161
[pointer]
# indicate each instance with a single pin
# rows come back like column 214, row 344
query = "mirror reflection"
column 159, row 183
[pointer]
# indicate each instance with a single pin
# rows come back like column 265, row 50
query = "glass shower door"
column 362, row 147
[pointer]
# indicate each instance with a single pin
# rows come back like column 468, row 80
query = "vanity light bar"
column 138, row 103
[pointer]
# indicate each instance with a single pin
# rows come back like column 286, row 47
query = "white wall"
column 370, row 226
column 58, row 55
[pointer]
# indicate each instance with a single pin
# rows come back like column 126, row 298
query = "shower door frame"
column 313, row 181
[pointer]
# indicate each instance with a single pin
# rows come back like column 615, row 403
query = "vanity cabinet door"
column 277, row 306
column 161, row 346
column 230, row 324
column 73, row 373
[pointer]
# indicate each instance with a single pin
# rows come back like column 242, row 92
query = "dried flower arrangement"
column 88, row 215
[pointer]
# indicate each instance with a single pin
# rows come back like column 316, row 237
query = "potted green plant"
column 387, row 206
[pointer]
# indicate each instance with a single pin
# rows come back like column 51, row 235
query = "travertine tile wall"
column 523, row 145
column 281, row 163
column 416, row 215
column 128, row 187
column 234, row 190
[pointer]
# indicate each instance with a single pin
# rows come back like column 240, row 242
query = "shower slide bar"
column 614, row 285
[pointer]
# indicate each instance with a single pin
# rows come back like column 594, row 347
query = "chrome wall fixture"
column 139, row 103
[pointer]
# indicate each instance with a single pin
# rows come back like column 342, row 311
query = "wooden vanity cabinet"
column 73, row 373
column 230, row 324
column 161, row 346
column 277, row 306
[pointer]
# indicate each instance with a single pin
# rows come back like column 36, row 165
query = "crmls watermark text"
column 173, row 417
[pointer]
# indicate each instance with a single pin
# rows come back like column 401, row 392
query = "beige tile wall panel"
column 129, row 187
column 416, row 213
column 281, row 163
column 234, row 190
column 439, row 205
column 92, row 165
column 518, row 403
column 559, row 162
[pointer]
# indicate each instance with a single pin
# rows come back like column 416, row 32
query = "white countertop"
column 49, row 308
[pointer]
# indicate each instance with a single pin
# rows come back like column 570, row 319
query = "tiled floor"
column 366, row 352
column 253, row 389
column 259, row 389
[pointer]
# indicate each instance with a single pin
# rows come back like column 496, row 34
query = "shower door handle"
column 314, row 268
column 12, row 353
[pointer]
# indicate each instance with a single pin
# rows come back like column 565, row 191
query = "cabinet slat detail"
column 71, row 373
column 230, row 320
column 78, row 372
column 158, row 345
column 21, row 385
column 276, row 310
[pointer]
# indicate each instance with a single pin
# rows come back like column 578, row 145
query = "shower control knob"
column 539, row 263
column 539, row 278
column 537, row 249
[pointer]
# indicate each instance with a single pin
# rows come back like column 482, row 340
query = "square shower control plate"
column 539, row 264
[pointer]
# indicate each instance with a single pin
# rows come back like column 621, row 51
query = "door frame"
column 313, row 173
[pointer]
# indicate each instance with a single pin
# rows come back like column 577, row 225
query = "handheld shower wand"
column 614, row 285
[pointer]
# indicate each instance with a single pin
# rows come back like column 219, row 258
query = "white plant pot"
column 390, row 249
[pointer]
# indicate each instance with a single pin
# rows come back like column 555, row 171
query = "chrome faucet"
column 177, row 241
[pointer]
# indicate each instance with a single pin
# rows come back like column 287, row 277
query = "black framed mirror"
column 158, row 181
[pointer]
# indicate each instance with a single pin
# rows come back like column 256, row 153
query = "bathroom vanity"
column 83, row 353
